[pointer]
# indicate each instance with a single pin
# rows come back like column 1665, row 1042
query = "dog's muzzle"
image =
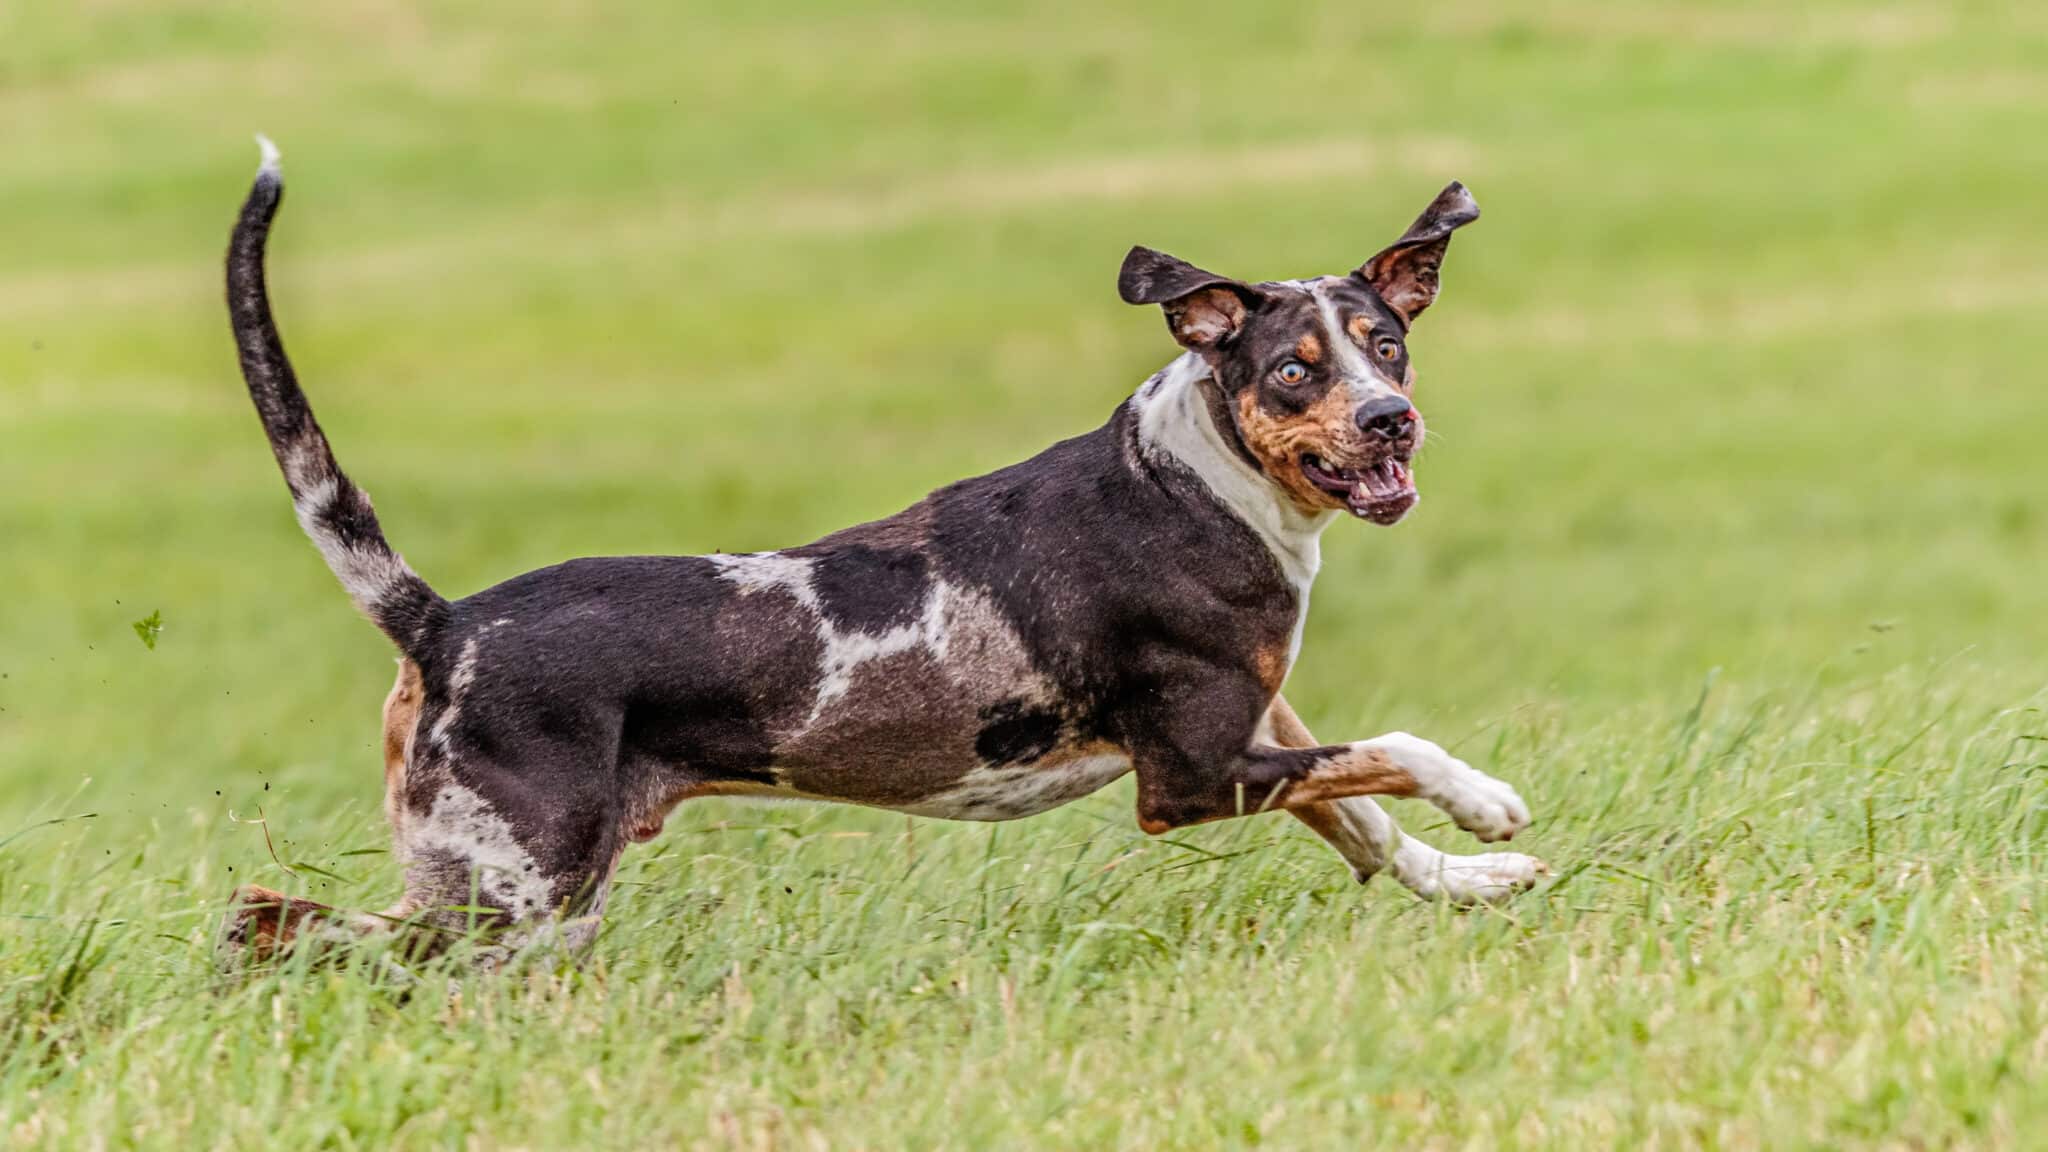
column 1379, row 488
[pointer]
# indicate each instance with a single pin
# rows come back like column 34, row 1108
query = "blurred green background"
column 1738, row 377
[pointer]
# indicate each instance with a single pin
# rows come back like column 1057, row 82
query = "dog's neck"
column 1175, row 421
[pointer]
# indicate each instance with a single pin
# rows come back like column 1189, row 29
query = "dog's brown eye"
column 1293, row 372
column 1389, row 348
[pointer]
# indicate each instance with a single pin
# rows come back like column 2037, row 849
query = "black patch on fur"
column 1014, row 732
column 868, row 589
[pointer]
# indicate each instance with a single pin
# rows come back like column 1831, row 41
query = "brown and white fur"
column 1128, row 600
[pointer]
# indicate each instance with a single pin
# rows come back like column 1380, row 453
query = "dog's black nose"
column 1387, row 416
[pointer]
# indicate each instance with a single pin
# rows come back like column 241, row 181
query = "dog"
column 1129, row 600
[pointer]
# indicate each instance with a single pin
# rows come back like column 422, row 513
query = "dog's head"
column 1313, row 375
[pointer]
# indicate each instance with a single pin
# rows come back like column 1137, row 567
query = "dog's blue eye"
column 1293, row 372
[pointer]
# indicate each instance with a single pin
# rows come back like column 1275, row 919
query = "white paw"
column 1485, row 878
column 1481, row 805
column 1487, row 808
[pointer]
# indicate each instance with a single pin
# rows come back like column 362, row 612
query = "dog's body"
column 1130, row 598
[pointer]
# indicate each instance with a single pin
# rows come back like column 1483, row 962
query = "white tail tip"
column 270, row 155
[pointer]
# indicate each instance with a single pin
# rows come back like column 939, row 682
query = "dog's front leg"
column 1369, row 840
column 1197, row 758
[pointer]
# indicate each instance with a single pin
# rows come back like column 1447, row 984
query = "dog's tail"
column 332, row 510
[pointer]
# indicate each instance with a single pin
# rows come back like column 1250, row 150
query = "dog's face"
column 1313, row 375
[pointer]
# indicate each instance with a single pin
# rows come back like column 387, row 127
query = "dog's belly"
column 934, row 757
column 983, row 792
column 1017, row 790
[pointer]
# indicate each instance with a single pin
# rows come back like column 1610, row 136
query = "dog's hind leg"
column 470, row 873
column 509, row 887
column 264, row 922
column 509, row 857
column 1369, row 840
column 516, row 847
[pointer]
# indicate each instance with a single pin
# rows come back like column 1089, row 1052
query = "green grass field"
column 1733, row 558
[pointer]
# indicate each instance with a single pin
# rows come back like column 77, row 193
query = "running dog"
column 1129, row 600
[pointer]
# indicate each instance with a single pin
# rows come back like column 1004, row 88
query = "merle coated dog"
column 1127, row 600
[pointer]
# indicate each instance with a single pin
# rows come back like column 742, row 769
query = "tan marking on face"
column 1279, row 442
column 1352, row 772
column 401, row 721
column 1308, row 349
column 1360, row 328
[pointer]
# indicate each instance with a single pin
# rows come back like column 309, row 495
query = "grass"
column 1730, row 559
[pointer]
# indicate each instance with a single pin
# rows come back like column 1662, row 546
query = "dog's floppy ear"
column 1202, row 308
column 1405, row 272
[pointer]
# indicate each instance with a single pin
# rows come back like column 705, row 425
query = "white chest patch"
column 1174, row 422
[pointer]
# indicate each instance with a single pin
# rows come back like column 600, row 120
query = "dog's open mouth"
column 1381, row 492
